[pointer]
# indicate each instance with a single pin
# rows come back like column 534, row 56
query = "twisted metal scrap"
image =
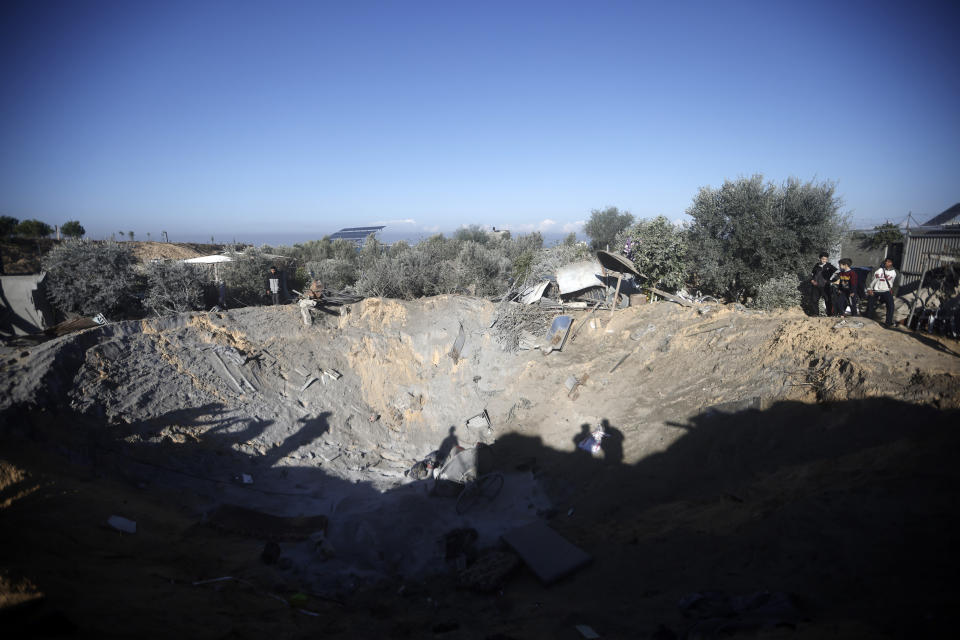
column 513, row 319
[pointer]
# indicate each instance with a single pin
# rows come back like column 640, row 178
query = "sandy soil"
column 748, row 452
column 146, row 251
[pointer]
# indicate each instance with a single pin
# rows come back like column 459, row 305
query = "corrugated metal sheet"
column 920, row 247
column 579, row 276
column 534, row 293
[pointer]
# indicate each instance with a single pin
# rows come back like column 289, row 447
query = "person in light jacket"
column 881, row 288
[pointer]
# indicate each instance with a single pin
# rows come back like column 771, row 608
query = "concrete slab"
column 546, row 552
column 23, row 305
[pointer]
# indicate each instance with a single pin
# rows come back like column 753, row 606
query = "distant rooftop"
column 357, row 235
column 950, row 216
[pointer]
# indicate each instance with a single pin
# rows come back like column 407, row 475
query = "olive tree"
column 749, row 231
column 7, row 225
column 72, row 229
column 658, row 249
column 604, row 225
column 884, row 234
column 33, row 229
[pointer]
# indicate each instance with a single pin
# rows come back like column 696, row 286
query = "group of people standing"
column 840, row 289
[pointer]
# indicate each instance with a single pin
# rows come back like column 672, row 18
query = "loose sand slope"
column 748, row 451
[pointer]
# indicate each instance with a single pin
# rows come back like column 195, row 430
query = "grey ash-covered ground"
column 748, row 452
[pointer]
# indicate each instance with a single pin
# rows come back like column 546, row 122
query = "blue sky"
column 245, row 117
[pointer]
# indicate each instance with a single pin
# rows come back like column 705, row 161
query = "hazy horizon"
column 290, row 238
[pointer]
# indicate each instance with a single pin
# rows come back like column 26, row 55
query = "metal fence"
column 927, row 250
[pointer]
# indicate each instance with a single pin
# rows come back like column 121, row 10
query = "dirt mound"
column 147, row 251
column 744, row 451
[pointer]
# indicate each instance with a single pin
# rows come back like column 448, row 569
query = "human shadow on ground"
column 448, row 444
column 313, row 428
column 849, row 505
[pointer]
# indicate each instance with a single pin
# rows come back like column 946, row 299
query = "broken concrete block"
column 122, row 524
column 527, row 341
column 545, row 551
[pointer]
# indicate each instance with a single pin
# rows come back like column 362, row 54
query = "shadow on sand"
column 850, row 506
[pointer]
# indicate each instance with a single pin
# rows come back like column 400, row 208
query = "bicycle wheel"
column 468, row 498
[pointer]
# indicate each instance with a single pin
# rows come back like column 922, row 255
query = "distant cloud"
column 574, row 227
column 432, row 229
column 543, row 226
column 404, row 221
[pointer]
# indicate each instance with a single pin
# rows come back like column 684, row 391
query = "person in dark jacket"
column 273, row 285
column 822, row 272
column 845, row 281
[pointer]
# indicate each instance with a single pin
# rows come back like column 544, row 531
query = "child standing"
column 881, row 288
column 845, row 302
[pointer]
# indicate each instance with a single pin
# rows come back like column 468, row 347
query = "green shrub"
column 658, row 249
column 779, row 293
column 405, row 273
column 341, row 249
column 172, row 287
column 472, row 262
column 477, row 271
column 246, row 276
column 522, row 266
column 439, row 249
column 334, row 274
column 91, row 277
column 312, row 251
